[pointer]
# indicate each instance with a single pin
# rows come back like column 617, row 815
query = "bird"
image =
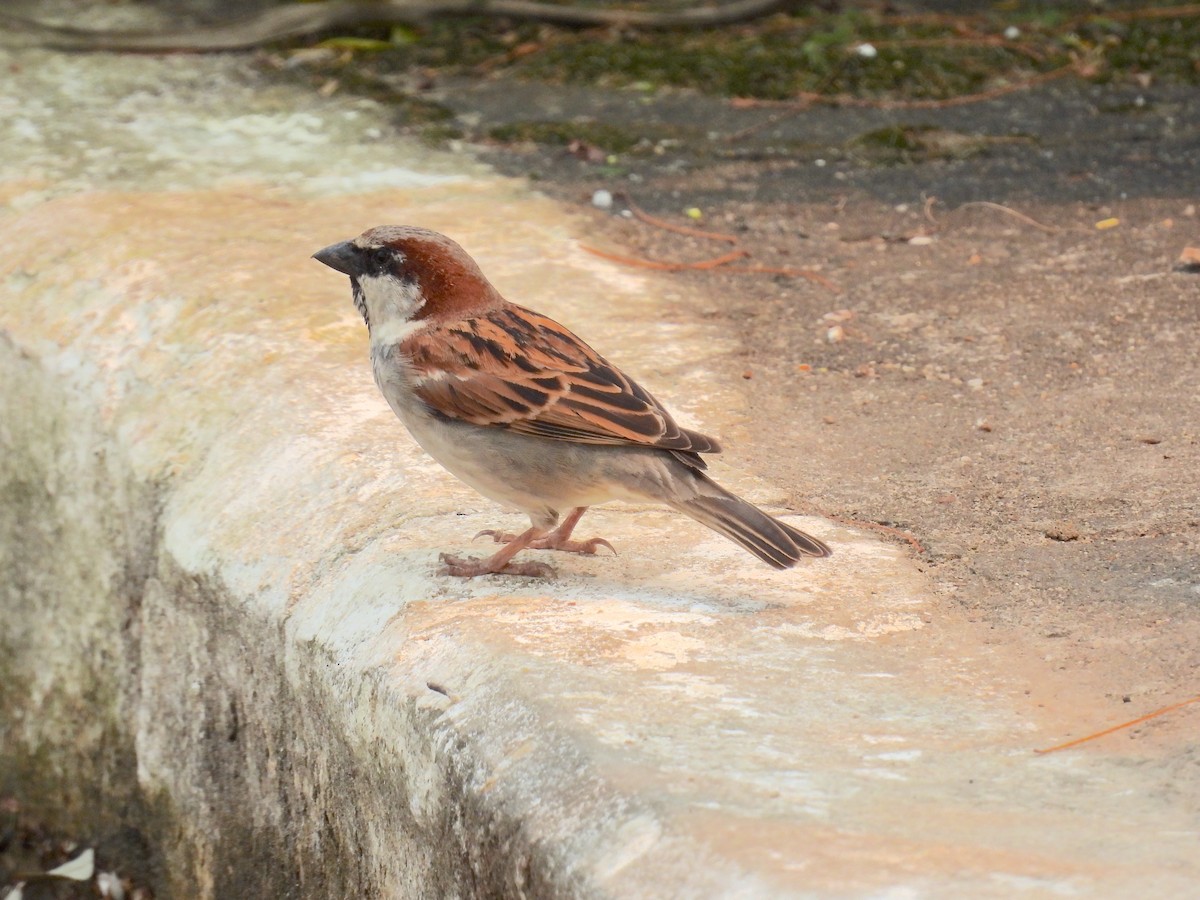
column 524, row 411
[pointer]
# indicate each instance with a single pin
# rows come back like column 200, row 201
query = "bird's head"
column 402, row 276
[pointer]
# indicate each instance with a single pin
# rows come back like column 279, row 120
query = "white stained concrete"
column 236, row 572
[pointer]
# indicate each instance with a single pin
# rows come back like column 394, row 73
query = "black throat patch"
column 360, row 301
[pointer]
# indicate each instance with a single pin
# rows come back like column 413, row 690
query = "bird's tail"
column 775, row 543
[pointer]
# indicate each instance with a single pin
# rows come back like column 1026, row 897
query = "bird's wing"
column 516, row 369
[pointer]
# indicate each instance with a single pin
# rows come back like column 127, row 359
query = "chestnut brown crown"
column 447, row 278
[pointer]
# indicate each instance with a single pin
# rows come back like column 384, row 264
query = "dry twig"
column 664, row 265
column 987, row 204
column 982, row 40
column 1138, row 721
column 703, row 264
column 644, row 216
column 1132, row 15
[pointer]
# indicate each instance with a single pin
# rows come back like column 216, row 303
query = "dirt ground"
column 1017, row 389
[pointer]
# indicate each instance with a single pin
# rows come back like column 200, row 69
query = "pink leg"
column 558, row 539
column 499, row 563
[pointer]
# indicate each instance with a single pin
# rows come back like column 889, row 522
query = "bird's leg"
column 558, row 539
column 500, row 562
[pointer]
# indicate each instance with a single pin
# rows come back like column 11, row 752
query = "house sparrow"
column 524, row 411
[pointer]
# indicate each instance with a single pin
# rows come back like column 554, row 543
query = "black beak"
column 343, row 257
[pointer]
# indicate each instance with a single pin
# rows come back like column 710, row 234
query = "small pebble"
column 839, row 315
column 109, row 885
column 1011, row 33
column 866, row 51
column 835, row 334
column 602, row 199
column 1065, row 531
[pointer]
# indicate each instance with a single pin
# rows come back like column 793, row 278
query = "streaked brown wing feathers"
column 516, row 369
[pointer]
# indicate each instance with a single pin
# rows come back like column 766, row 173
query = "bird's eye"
column 381, row 256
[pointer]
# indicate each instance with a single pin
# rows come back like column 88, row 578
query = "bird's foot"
column 551, row 542
column 568, row 546
column 473, row 566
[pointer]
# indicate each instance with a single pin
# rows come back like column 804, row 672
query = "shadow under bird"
column 525, row 412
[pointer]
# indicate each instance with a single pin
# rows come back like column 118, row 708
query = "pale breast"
column 537, row 475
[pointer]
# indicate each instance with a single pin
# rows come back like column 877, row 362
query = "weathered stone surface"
column 227, row 522
column 225, row 643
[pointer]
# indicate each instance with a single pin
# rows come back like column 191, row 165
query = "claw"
column 592, row 545
column 499, row 537
column 548, row 543
column 588, row 547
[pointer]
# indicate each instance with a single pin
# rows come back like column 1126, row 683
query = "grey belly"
column 539, row 476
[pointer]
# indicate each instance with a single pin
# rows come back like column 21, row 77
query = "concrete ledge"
column 226, row 650
column 222, row 618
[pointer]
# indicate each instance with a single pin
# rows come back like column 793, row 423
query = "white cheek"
column 390, row 300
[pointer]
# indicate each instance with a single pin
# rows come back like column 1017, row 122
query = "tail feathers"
column 775, row 543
